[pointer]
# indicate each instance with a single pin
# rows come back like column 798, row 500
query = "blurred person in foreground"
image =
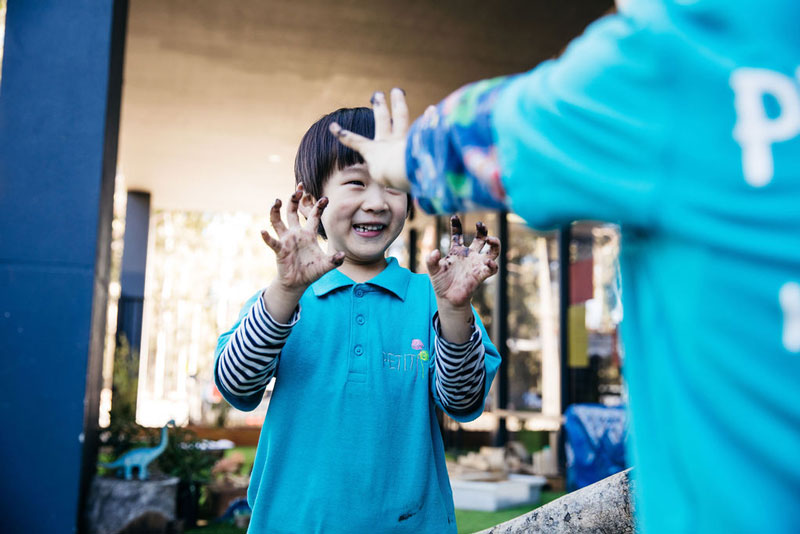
column 680, row 121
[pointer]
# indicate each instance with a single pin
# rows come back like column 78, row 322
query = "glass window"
column 533, row 317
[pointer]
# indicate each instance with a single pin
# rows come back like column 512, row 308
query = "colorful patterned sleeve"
column 451, row 156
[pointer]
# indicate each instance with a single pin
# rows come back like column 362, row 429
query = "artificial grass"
column 473, row 521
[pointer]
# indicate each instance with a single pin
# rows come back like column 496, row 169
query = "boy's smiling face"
column 362, row 217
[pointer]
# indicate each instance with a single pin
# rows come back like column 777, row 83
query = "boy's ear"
column 306, row 203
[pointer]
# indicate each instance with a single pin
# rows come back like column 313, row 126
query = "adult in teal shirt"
column 681, row 122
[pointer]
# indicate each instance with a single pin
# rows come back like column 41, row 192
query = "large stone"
column 605, row 506
column 114, row 503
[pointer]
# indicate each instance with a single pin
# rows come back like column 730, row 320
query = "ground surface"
column 467, row 520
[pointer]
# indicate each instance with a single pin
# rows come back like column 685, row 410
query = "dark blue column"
column 59, row 118
column 134, row 263
column 130, row 306
column 500, row 327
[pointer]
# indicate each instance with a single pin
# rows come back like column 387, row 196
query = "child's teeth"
column 367, row 228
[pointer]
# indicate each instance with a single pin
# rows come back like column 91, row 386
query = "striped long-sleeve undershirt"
column 460, row 371
column 250, row 358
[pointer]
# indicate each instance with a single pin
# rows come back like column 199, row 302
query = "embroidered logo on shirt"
column 408, row 361
column 418, row 345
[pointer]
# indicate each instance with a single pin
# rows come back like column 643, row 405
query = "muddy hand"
column 300, row 259
column 456, row 276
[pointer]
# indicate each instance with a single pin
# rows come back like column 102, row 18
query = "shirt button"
column 359, row 293
column 359, row 350
column 360, row 319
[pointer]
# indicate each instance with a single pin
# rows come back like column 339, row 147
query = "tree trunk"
column 605, row 507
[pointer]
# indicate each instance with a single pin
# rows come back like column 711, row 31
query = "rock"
column 474, row 461
column 495, row 457
column 605, row 506
column 114, row 504
column 516, row 450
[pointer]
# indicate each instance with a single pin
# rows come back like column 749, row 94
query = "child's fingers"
column 399, row 113
column 336, row 259
column 480, row 237
column 432, row 261
column 456, row 232
column 271, row 242
column 383, row 121
column 430, row 114
column 349, row 139
column 275, row 218
column 494, row 248
column 490, row 268
column 316, row 213
column 291, row 214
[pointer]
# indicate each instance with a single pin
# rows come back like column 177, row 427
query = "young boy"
column 363, row 352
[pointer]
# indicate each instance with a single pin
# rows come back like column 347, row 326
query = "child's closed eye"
column 358, row 183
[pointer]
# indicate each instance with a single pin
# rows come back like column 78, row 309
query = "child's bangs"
column 320, row 154
column 357, row 120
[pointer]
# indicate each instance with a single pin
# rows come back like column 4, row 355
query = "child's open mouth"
column 368, row 230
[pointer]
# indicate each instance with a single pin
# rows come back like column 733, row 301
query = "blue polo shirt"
column 350, row 442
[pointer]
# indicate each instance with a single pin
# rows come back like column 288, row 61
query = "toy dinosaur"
column 140, row 458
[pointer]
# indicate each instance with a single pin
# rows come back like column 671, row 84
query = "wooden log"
column 605, row 506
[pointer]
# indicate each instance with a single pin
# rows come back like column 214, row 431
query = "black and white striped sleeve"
column 250, row 357
column 460, row 375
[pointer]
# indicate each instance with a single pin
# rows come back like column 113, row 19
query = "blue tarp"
column 595, row 445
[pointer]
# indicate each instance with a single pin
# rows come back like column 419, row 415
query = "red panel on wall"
column 580, row 281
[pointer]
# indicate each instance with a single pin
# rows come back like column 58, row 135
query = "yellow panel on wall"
column 578, row 336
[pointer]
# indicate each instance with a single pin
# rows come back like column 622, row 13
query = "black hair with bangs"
column 320, row 153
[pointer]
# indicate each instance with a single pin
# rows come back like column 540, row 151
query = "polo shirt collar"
column 393, row 278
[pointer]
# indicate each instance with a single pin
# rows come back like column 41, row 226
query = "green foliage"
column 183, row 459
column 533, row 440
column 249, row 454
column 123, row 433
